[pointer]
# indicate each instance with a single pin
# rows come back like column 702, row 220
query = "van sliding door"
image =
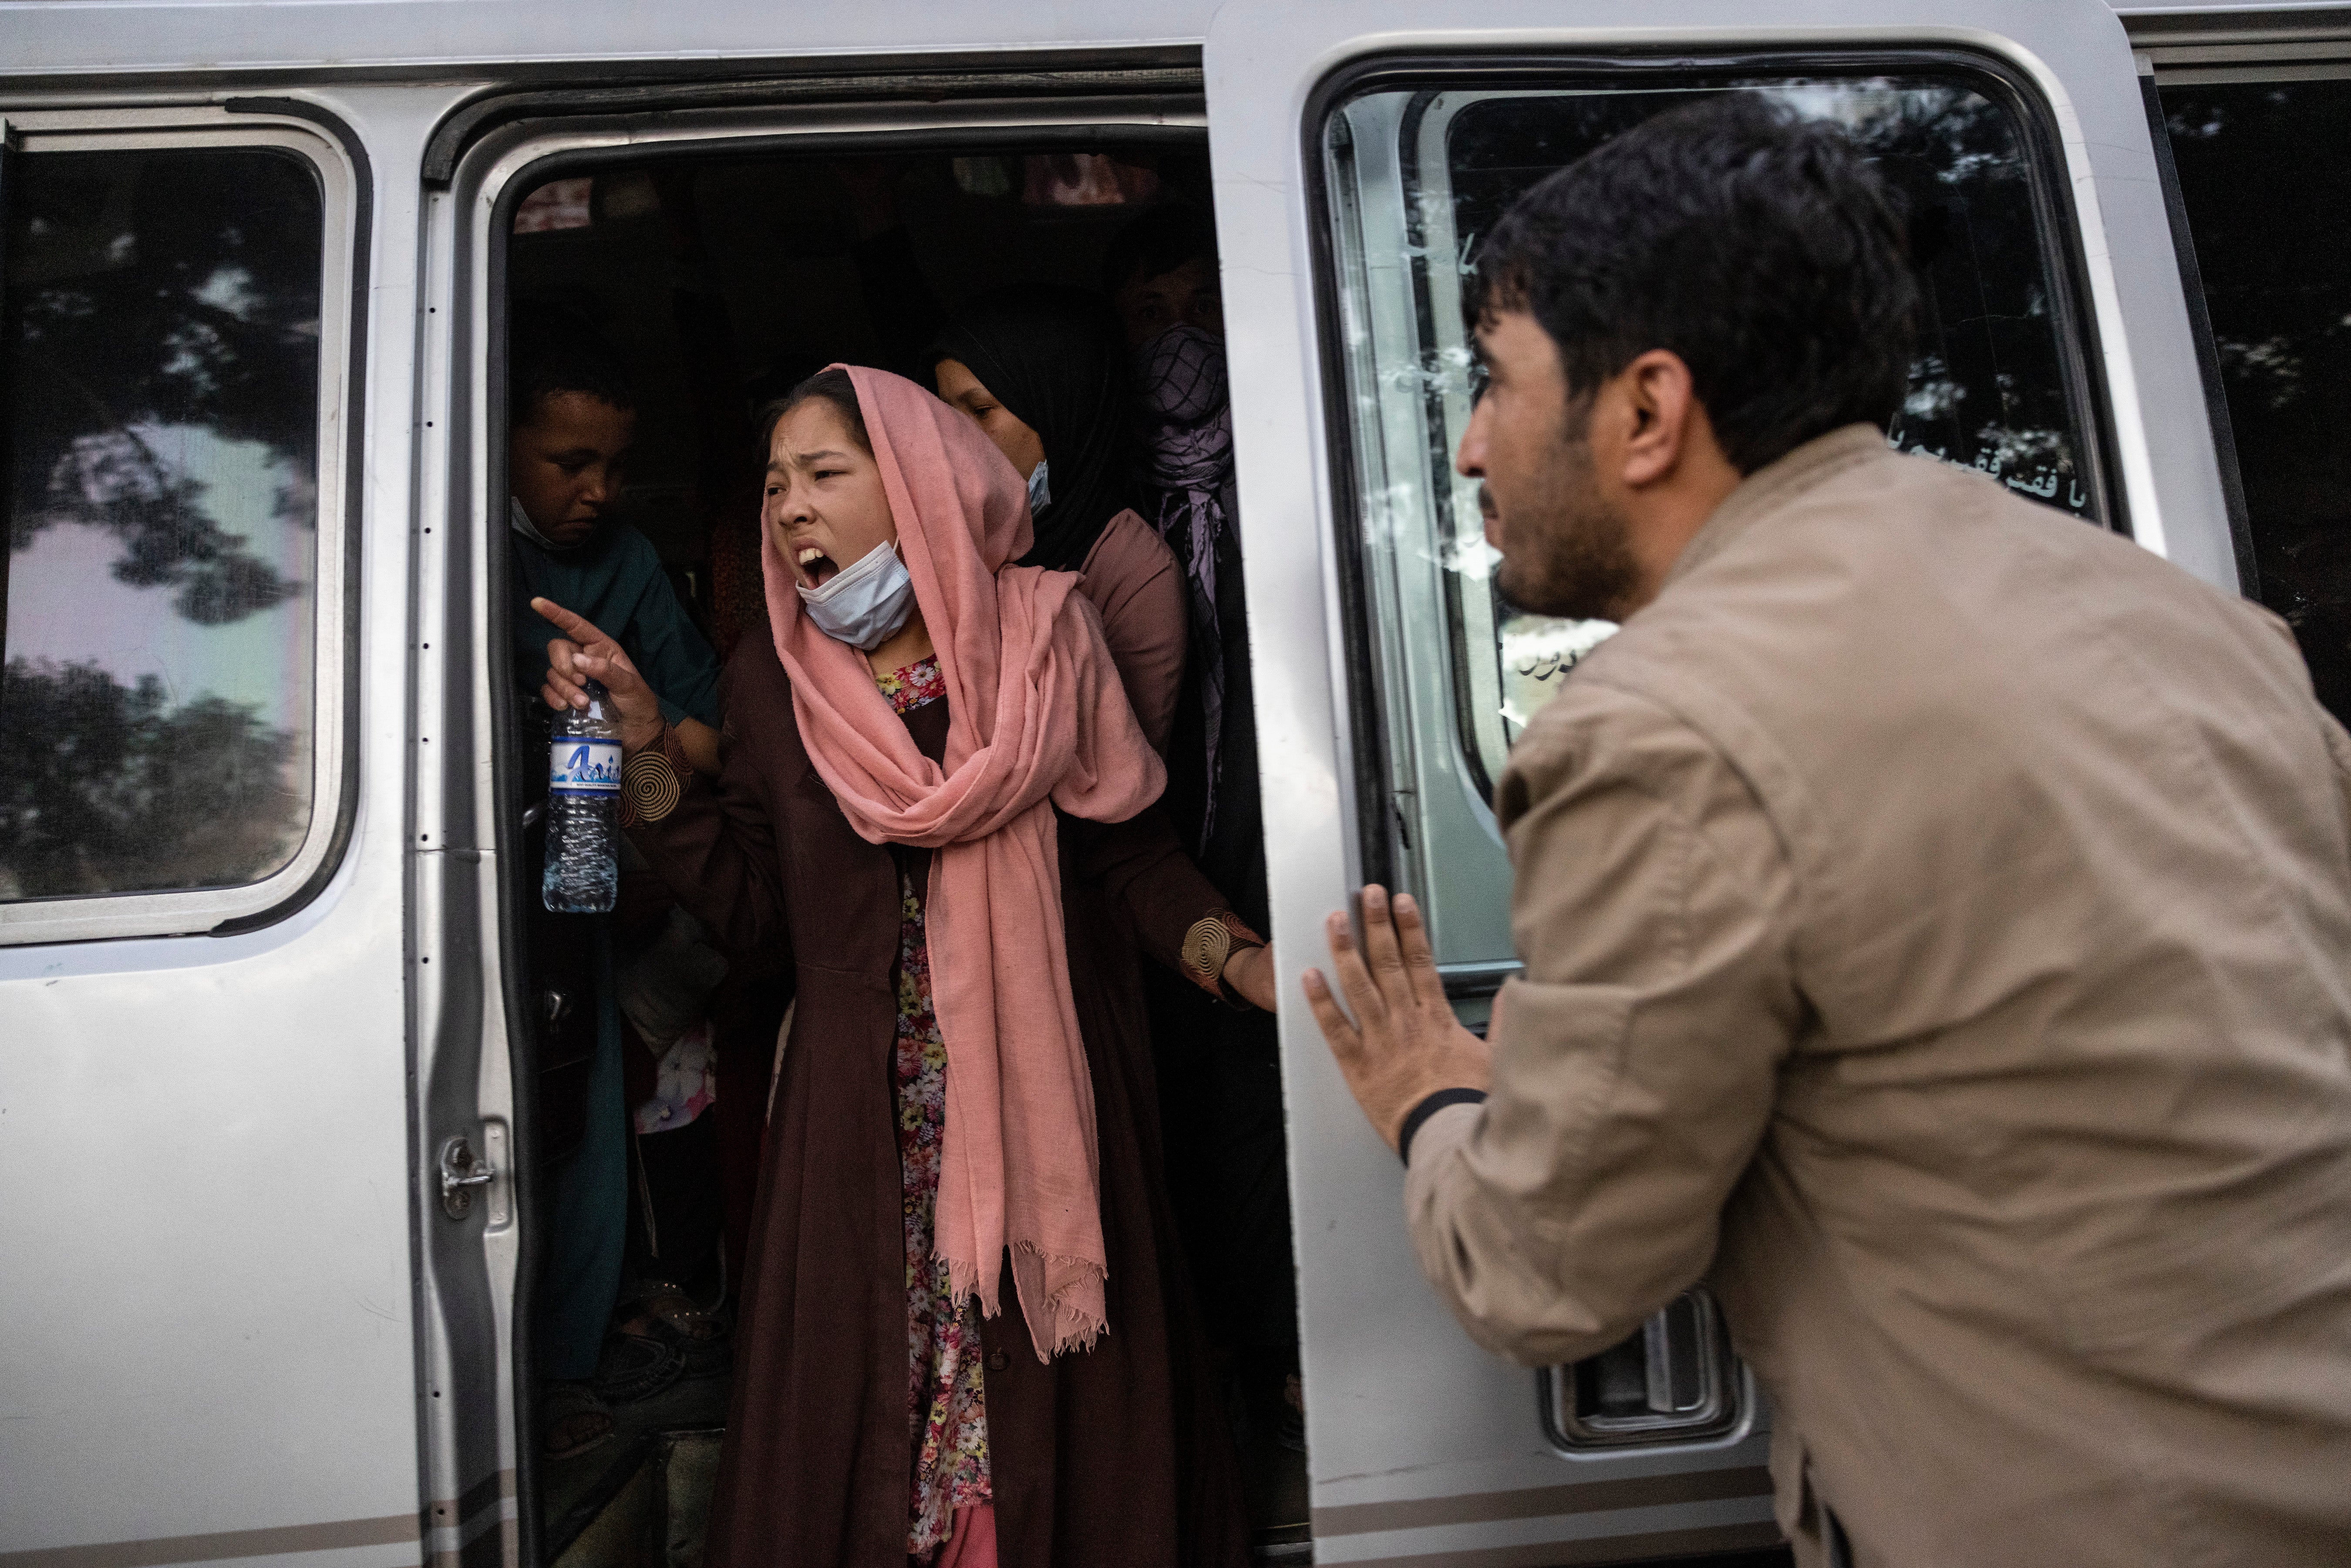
column 1361, row 150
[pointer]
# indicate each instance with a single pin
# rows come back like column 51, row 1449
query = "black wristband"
column 1430, row 1107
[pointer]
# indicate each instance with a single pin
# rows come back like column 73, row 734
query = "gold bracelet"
column 1206, row 947
column 650, row 785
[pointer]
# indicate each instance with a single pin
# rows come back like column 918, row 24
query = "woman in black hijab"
column 1043, row 373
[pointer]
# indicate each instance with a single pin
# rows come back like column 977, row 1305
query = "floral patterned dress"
column 946, row 1406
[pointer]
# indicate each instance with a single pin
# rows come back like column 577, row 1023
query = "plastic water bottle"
column 583, row 807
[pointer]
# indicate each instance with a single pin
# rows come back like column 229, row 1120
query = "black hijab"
column 1055, row 358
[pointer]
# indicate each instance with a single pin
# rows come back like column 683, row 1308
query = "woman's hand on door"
column 586, row 653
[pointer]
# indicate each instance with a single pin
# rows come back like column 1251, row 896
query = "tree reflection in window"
column 1992, row 388
column 1989, row 387
column 162, row 329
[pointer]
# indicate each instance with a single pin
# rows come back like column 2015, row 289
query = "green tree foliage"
column 108, row 789
column 1988, row 386
column 157, row 289
column 158, row 303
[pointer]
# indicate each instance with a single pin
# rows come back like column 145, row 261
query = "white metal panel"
column 206, row 1251
column 2280, row 12
column 1400, row 1405
column 56, row 36
column 49, row 37
column 464, row 1084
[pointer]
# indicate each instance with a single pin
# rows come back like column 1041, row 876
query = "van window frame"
column 2057, row 232
column 2200, row 329
column 496, row 170
column 335, row 157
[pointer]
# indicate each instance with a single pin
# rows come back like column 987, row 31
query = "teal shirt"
column 616, row 581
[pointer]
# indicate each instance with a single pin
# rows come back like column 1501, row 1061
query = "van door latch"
column 1676, row 1381
column 461, row 1172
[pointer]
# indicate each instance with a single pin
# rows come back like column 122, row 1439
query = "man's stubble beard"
column 1581, row 567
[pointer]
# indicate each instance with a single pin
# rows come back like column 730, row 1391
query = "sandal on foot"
column 656, row 1301
column 571, row 1420
column 657, row 1309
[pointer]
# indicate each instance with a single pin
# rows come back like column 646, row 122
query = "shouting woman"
column 966, row 1336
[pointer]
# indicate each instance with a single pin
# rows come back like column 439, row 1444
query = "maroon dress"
column 1116, row 1455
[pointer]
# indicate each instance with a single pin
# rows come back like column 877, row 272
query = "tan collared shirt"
column 1936, row 914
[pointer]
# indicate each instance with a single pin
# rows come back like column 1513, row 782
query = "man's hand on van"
column 587, row 653
column 1405, row 1043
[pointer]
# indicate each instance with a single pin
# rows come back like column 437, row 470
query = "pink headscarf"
column 1036, row 719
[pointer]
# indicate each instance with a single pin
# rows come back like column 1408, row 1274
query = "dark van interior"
column 720, row 281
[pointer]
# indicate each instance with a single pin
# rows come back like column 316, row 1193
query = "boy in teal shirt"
column 571, row 419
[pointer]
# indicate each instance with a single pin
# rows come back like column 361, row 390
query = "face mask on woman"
column 1179, row 376
column 866, row 602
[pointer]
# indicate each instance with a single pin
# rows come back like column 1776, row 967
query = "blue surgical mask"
column 1041, row 488
column 866, row 602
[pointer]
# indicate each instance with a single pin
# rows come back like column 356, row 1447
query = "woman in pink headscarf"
column 965, row 1336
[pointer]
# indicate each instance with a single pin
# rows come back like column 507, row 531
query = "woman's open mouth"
column 816, row 566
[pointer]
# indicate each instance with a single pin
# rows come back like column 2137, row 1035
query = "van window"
column 161, row 347
column 2263, row 176
column 1416, row 176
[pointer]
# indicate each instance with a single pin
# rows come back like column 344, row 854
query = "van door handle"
column 461, row 1172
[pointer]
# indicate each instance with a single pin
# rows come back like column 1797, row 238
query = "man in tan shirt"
column 1936, row 913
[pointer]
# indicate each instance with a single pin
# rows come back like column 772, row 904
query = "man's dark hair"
column 551, row 351
column 832, row 386
column 1156, row 244
column 1760, row 248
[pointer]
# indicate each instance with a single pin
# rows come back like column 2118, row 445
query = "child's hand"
column 588, row 652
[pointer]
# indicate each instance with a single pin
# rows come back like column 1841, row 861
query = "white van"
column 267, row 1025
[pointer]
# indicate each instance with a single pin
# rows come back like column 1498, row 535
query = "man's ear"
column 1660, row 402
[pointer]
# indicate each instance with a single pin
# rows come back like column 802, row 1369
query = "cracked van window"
column 161, row 335
column 1418, row 176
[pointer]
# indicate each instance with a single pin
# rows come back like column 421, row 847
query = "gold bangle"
column 650, row 785
column 1206, row 947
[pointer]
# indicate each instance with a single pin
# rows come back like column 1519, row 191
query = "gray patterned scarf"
column 1186, row 447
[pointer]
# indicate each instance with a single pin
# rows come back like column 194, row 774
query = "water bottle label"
column 584, row 767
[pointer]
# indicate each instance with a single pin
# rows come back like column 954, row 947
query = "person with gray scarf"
column 1222, row 1088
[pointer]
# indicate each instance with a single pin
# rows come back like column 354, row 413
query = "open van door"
column 1361, row 149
